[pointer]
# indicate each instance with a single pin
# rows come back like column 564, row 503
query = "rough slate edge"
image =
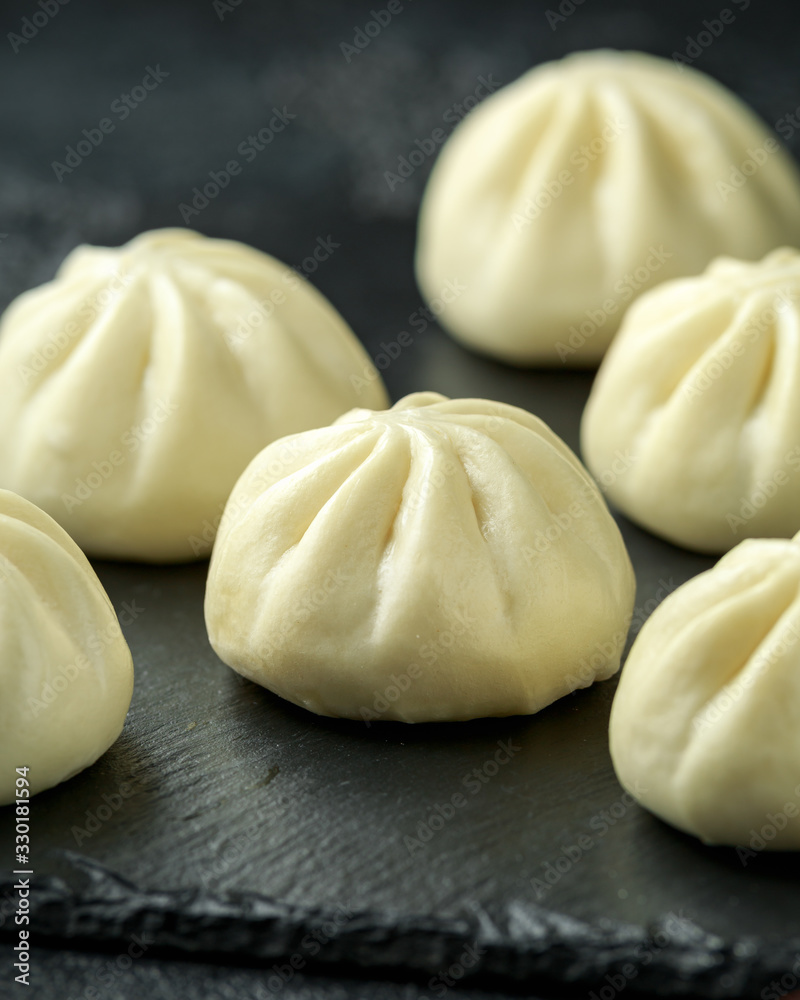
column 68, row 973
column 526, row 946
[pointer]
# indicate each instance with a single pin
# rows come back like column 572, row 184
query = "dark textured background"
column 233, row 789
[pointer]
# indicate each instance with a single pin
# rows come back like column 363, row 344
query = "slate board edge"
column 90, row 907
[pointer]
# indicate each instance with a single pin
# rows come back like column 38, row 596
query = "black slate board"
column 234, row 818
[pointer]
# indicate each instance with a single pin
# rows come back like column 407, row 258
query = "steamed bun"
column 705, row 724
column 137, row 385
column 565, row 195
column 66, row 674
column 441, row 560
column 700, row 395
